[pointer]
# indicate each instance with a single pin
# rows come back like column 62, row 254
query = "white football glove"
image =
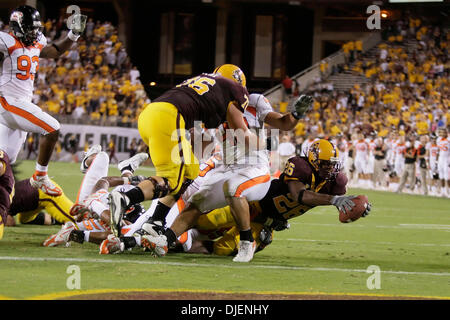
column 77, row 24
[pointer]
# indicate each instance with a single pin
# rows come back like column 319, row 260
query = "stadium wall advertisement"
column 89, row 135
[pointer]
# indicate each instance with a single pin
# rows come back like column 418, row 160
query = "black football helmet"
column 25, row 24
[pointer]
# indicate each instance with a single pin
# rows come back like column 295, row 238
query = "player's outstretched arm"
column 284, row 122
column 55, row 49
column 236, row 121
column 311, row 198
column 288, row 121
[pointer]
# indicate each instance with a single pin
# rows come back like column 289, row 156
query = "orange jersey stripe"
column 181, row 205
column 183, row 237
column 250, row 183
column 25, row 114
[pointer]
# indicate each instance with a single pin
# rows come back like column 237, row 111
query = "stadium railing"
column 306, row 77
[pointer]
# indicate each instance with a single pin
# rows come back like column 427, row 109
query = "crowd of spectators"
column 406, row 92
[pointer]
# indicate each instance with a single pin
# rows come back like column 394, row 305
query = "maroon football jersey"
column 206, row 98
column 7, row 184
column 279, row 204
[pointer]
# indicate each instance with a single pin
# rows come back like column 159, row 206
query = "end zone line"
column 74, row 293
column 234, row 266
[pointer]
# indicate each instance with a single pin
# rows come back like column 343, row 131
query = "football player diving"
column 210, row 98
column 245, row 178
column 306, row 182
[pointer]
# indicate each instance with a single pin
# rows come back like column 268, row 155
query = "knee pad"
column 159, row 190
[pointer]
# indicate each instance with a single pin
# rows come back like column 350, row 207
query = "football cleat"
column 245, row 252
column 111, row 245
column 132, row 163
column 62, row 237
column 153, row 227
column 43, row 183
column 96, row 148
column 117, row 207
column 157, row 245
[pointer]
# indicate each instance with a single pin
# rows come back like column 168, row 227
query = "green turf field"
column 406, row 236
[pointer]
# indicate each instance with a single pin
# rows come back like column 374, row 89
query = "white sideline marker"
column 232, row 266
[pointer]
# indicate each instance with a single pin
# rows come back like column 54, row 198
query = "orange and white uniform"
column 442, row 165
column 18, row 69
column 361, row 156
column 433, row 151
column 399, row 158
column 241, row 174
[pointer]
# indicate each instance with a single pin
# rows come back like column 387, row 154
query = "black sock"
column 246, row 235
column 77, row 236
column 39, row 220
column 128, row 167
column 171, row 237
column 161, row 212
column 129, row 242
column 135, row 195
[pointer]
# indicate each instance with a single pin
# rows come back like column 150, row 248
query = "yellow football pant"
column 57, row 207
column 162, row 128
column 222, row 218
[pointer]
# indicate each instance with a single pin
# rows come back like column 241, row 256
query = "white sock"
column 137, row 237
column 41, row 168
column 86, row 236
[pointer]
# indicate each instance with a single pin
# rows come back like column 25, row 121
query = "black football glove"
column 302, row 106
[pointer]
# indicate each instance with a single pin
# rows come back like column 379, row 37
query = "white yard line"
column 210, row 265
column 399, row 226
column 369, row 242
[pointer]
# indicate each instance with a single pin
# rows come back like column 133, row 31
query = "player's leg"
column 97, row 169
column 162, row 128
column 250, row 185
column 58, row 207
column 229, row 243
column 26, row 116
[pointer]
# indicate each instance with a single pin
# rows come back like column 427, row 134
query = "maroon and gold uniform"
column 206, row 98
column 273, row 210
column 28, row 202
column 162, row 123
column 6, row 189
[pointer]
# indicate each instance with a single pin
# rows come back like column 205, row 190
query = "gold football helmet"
column 232, row 72
column 324, row 158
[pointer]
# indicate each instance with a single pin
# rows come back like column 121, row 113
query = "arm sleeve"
column 262, row 105
column 5, row 42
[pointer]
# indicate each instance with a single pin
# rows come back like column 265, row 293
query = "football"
column 361, row 203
